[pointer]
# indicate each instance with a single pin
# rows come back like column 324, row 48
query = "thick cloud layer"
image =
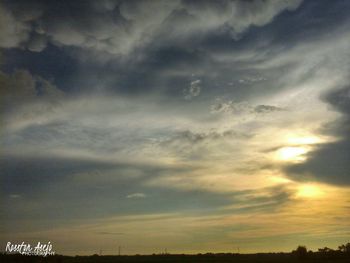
column 330, row 162
column 119, row 27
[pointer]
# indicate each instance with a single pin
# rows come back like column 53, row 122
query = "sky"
column 191, row 126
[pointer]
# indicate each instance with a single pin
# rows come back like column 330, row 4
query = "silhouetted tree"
column 301, row 252
column 325, row 250
column 345, row 248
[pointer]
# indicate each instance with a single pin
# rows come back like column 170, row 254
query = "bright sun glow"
column 304, row 140
column 309, row 191
column 291, row 153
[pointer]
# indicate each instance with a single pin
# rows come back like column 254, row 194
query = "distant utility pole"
column 100, row 252
column 119, row 250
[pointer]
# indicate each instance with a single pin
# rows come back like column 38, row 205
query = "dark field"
column 200, row 258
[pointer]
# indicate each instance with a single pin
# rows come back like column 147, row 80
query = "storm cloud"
column 330, row 162
column 119, row 27
column 202, row 120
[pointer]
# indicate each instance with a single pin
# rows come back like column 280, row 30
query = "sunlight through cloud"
column 309, row 191
column 294, row 154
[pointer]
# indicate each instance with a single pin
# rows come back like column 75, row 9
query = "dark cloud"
column 193, row 137
column 69, row 189
column 162, row 52
column 22, row 87
column 53, row 63
column 266, row 109
column 90, row 189
column 339, row 100
column 27, row 175
column 37, row 43
column 118, row 27
column 330, row 162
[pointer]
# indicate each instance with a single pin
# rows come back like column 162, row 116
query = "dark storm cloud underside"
column 330, row 162
column 53, row 63
column 192, row 55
